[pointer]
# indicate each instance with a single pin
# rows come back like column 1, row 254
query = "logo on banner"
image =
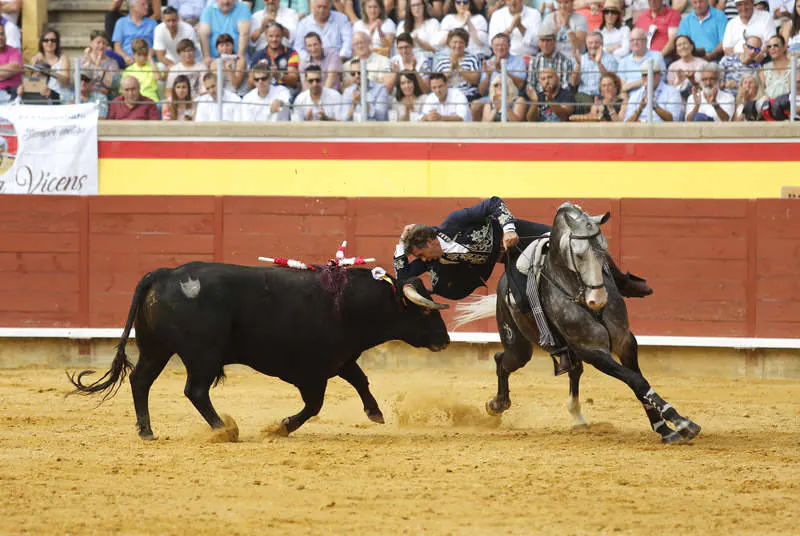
column 48, row 149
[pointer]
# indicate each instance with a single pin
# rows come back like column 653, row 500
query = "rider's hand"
column 406, row 229
column 510, row 239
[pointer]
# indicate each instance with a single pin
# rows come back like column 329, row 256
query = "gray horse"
column 584, row 306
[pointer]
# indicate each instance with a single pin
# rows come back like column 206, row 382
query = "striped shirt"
column 468, row 62
column 558, row 61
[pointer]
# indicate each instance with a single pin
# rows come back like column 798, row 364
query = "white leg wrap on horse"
column 574, row 407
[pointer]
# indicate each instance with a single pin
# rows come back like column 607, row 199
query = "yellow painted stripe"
column 446, row 179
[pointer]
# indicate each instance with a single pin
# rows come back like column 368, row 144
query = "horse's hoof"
column 375, row 415
column 147, row 436
column 671, row 438
column 495, row 407
column 580, row 427
column 688, row 429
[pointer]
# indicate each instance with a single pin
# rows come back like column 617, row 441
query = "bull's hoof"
column 375, row 415
column 688, row 429
column 495, row 407
column 671, row 438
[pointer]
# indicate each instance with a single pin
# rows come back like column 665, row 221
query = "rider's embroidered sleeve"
column 404, row 269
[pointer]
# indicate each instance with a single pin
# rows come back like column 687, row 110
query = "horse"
column 583, row 305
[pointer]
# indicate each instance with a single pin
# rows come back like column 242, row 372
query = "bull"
column 281, row 322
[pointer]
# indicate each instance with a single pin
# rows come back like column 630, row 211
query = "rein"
column 580, row 297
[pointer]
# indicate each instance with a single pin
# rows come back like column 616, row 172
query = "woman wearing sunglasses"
column 50, row 53
column 465, row 15
column 775, row 74
column 616, row 35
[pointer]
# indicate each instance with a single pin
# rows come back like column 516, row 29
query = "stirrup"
column 564, row 363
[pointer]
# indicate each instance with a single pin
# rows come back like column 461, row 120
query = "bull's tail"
column 476, row 309
column 112, row 380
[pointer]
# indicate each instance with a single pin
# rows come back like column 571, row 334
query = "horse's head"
column 582, row 248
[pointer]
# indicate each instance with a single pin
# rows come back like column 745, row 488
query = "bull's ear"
column 600, row 220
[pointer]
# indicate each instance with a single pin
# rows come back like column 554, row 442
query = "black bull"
column 279, row 321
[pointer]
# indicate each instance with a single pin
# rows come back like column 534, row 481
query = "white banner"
column 48, row 149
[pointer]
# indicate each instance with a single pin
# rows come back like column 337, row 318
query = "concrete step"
column 78, row 5
column 97, row 17
column 76, row 34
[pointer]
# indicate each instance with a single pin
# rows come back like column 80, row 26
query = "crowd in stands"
column 424, row 60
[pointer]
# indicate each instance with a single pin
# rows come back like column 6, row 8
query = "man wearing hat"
column 750, row 21
column 706, row 27
column 667, row 103
column 549, row 58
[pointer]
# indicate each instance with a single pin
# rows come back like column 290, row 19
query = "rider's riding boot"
column 563, row 364
column 629, row 285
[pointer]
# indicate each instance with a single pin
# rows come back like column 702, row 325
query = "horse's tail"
column 475, row 308
column 112, row 380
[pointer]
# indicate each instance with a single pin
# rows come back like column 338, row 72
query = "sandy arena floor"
column 439, row 465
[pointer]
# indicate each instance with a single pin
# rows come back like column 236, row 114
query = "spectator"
column 553, row 104
column 748, row 22
column 377, row 97
column 548, row 58
column 465, row 15
column 326, row 59
column 152, row 10
column 444, row 103
column 224, row 17
column 520, row 23
column 407, row 97
column 616, row 36
column 515, row 65
column 377, row 26
column 144, row 69
column 87, row 95
column 515, row 105
column 13, row 35
column 708, row 103
column 189, row 11
column 134, row 26
column 377, row 64
column 776, row 75
column 685, row 72
column 167, row 35
column 207, row 109
column 590, row 67
column 407, row 61
column 706, row 26
column 179, row 106
column 10, row 10
column 749, row 90
column 791, row 30
column 463, row 69
column 610, row 106
column 629, row 68
column 132, row 104
column 667, row 103
column 267, row 102
column 317, row 103
column 333, row 27
column 272, row 12
column 50, row 52
column 187, row 66
column 736, row 66
column 283, row 61
column 592, row 10
column 424, row 29
column 781, row 10
column 570, row 28
column 95, row 62
column 660, row 23
column 11, row 68
column 234, row 68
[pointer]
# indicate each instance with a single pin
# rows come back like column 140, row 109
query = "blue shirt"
column 590, row 73
column 629, row 69
column 706, row 33
column 338, row 33
column 224, row 24
column 125, row 31
column 664, row 95
column 377, row 102
column 515, row 66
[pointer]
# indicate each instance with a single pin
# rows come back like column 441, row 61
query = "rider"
column 460, row 254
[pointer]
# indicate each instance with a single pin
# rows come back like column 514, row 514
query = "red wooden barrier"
column 719, row 267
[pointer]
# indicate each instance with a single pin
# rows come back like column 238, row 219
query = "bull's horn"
column 415, row 297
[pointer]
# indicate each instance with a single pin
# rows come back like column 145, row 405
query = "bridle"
column 580, row 296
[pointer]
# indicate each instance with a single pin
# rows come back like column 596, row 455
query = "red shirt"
column 146, row 110
column 664, row 19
